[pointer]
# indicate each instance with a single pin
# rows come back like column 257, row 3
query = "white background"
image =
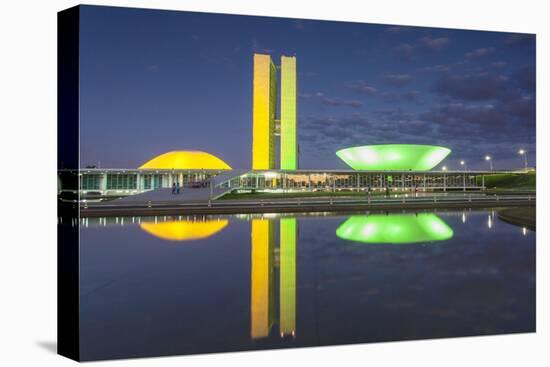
column 28, row 182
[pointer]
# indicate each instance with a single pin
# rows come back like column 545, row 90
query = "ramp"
column 222, row 184
column 165, row 196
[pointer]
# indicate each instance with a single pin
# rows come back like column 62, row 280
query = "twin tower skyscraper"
column 266, row 124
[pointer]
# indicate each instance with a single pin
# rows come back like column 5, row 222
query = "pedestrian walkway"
column 164, row 195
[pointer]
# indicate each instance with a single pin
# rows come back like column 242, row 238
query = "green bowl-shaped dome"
column 394, row 228
column 396, row 157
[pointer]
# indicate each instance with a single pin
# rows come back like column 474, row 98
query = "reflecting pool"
column 179, row 285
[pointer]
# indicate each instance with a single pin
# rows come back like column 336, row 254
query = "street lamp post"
column 523, row 152
column 488, row 158
column 444, row 169
column 463, row 164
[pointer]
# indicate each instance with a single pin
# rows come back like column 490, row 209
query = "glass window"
column 89, row 181
column 121, row 181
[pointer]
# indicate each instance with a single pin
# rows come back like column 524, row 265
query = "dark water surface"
column 180, row 285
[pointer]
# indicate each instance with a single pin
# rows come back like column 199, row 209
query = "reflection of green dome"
column 395, row 228
column 398, row 157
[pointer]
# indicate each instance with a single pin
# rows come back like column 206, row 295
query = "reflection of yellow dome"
column 184, row 230
column 185, row 159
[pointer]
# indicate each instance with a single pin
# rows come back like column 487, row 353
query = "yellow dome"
column 184, row 230
column 185, row 159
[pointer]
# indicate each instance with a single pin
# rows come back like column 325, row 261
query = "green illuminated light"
column 398, row 157
column 289, row 145
column 395, row 228
column 288, row 276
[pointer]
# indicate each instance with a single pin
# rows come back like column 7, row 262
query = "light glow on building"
column 186, row 159
column 289, row 143
column 397, row 157
column 264, row 114
column 264, row 96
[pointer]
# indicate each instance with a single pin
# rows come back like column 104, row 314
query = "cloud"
column 443, row 68
column 470, row 129
column 361, row 86
column 480, row 52
column 472, row 87
column 433, row 43
column 499, row 64
column 397, row 80
column 499, row 108
column 308, row 74
column 519, row 40
column 435, row 68
column 454, row 117
column 523, row 108
column 406, row 51
column 298, row 24
column 525, row 78
column 258, row 47
column 398, row 29
column 338, row 102
column 409, row 96
column 331, row 101
column 410, row 51
column 489, row 85
column 473, row 129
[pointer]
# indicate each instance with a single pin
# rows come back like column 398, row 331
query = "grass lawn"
column 519, row 181
column 521, row 216
column 303, row 194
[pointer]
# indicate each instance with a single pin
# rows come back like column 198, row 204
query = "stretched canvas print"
column 233, row 183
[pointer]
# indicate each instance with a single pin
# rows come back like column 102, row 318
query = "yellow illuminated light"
column 262, row 310
column 184, row 230
column 263, row 112
column 185, row 159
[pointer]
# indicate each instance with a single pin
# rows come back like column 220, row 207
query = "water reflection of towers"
column 263, row 272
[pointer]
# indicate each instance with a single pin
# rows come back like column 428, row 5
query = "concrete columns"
column 103, row 182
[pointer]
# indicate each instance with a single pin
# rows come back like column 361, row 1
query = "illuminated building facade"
column 99, row 183
column 396, row 167
column 265, row 125
column 264, row 103
column 186, row 160
column 288, row 143
column 393, row 157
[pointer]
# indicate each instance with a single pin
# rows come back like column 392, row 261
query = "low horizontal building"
column 109, row 183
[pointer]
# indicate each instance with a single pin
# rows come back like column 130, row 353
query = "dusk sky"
column 154, row 81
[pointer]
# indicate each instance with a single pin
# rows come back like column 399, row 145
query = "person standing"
column 173, row 188
column 177, row 188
